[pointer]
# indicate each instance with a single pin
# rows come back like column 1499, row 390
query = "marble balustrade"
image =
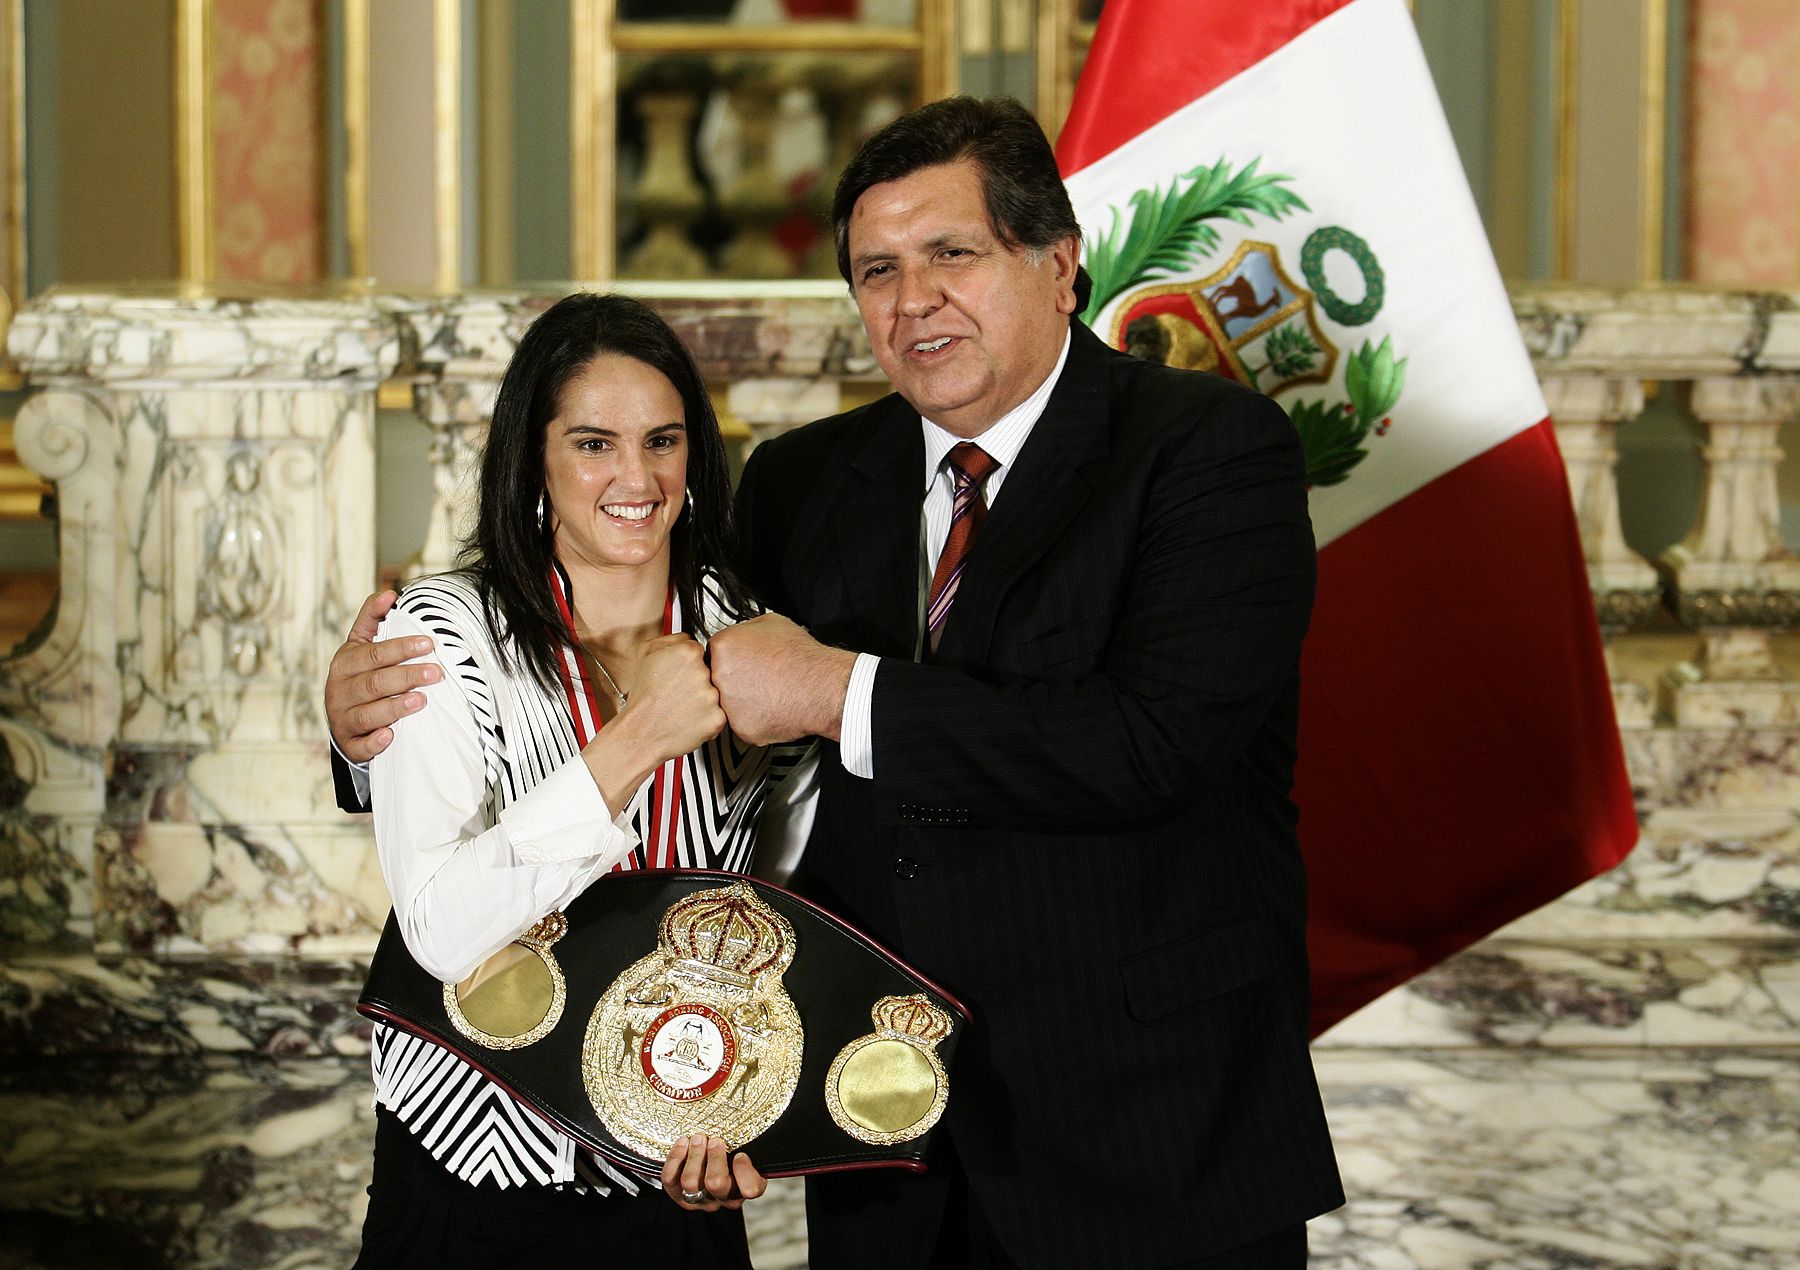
column 183, row 1080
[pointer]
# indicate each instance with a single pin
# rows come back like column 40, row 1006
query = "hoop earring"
column 540, row 511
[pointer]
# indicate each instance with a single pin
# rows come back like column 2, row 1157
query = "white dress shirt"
column 1002, row 441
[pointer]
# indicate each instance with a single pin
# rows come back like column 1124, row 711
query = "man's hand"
column 777, row 683
column 367, row 688
column 699, row 1177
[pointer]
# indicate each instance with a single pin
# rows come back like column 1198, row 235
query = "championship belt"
column 666, row 1003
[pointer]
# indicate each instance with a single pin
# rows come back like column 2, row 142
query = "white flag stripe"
column 1370, row 153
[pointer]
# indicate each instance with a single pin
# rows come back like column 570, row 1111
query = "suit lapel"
column 1041, row 495
column 877, row 524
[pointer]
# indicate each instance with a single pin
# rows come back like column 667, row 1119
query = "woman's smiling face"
column 615, row 465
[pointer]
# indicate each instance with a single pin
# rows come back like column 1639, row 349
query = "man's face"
column 964, row 326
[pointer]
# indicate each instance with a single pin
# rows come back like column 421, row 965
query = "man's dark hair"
column 1026, row 202
column 510, row 551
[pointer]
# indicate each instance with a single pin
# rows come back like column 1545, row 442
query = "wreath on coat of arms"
column 1249, row 320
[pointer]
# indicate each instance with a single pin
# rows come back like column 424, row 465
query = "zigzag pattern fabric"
column 970, row 466
column 467, row 1123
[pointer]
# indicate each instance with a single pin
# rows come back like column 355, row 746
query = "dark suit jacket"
column 1080, row 818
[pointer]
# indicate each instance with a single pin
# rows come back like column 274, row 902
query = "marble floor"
column 1452, row 1159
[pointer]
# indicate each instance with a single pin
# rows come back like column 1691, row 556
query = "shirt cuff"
column 856, row 736
column 359, row 772
column 563, row 819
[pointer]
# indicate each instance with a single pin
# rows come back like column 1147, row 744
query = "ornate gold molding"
column 1568, row 49
column 1059, row 37
column 593, row 141
column 195, row 218
column 446, row 99
column 937, row 49
column 356, row 136
column 1653, row 139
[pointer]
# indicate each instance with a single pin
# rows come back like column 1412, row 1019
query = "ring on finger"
column 700, row 1196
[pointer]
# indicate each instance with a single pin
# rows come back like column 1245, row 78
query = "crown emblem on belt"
column 729, row 933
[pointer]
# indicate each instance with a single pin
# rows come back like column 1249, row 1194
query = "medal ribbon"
column 662, row 848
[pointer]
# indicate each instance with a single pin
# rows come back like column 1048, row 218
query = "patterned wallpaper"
column 268, row 139
column 1743, row 219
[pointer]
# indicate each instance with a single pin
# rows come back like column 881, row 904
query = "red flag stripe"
column 1399, row 602
column 1130, row 83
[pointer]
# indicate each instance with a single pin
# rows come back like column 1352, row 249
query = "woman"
column 572, row 725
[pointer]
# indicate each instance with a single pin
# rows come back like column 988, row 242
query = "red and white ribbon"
column 661, row 850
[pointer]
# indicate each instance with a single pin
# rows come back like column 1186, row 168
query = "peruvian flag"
column 1269, row 191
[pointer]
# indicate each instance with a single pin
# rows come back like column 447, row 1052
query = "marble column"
column 1588, row 411
column 1734, row 580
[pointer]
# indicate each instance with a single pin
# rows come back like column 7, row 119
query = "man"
column 1057, row 678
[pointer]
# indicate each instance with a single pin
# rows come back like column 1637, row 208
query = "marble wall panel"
column 152, row 1164
column 249, row 539
column 119, row 339
column 1734, row 769
column 260, row 890
column 79, row 1007
column 794, row 330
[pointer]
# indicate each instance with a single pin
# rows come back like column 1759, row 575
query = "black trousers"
column 964, row 1239
column 421, row 1215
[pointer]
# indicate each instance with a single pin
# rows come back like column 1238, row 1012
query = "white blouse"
column 486, row 819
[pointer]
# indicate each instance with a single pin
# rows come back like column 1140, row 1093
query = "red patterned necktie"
column 970, row 466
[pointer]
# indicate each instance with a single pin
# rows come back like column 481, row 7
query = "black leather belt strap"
column 836, row 978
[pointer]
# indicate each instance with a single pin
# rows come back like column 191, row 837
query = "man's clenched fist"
column 777, row 683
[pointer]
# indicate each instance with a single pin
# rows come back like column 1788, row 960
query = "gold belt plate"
column 699, row 1036
column 890, row 1086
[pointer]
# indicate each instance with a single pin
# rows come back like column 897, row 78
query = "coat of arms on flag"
column 1249, row 320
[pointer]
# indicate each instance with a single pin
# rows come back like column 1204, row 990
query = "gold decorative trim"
column 788, row 37
column 196, row 245
column 1653, row 140
column 537, row 941
column 936, row 37
column 903, row 1045
column 446, row 97
column 593, row 144
column 12, row 14
column 356, row 137
column 1568, row 47
column 394, row 394
column 1055, row 59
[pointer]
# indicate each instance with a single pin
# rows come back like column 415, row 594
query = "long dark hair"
column 510, row 552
